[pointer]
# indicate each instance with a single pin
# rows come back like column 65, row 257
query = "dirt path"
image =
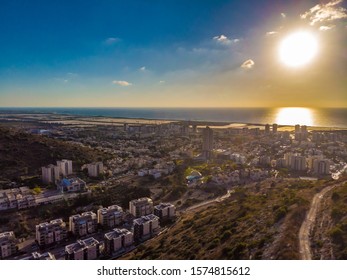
column 307, row 225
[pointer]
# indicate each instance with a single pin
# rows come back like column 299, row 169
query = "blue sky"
column 162, row 53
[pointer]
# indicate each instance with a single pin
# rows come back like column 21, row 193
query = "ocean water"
column 324, row 117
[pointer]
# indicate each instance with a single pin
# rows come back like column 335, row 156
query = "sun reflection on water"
column 293, row 116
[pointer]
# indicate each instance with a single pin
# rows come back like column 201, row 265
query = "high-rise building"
column 50, row 174
column 117, row 240
column 267, row 128
column 141, row 207
column 111, row 216
column 83, row 224
column 274, row 128
column 297, row 128
column 95, row 169
column 50, row 233
column 7, row 244
column 145, row 227
column 321, row 166
column 165, row 211
column 207, row 143
column 87, row 249
column 65, row 167
column 298, row 163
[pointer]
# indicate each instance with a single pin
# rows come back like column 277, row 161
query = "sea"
column 321, row 117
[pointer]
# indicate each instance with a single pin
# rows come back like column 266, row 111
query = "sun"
column 298, row 49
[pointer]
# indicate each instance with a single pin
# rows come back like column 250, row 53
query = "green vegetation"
column 23, row 154
column 250, row 224
column 338, row 232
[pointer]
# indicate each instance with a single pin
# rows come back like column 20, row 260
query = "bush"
column 226, row 235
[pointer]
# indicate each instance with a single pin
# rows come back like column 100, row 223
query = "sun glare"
column 293, row 116
column 298, row 49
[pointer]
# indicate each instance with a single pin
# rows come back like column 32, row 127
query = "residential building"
column 146, row 227
column 141, row 207
column 274, row 128
column 267, row 128
column 298, row 163
column 87, row 249
column 321, row 166
column 47, row 256
column 50, row 174
column 111, row 216
column 83, row 224
column 16, row 198
column 165, row 211
column 24, row 202
column 51, row 233
column 65, row 167
column 69, row 185
column 95, row 169
column 207, row 142
column 7, row 244
column 118, row 240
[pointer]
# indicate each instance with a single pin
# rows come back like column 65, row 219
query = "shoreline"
column 71, row 119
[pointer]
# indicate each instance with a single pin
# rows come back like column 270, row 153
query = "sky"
column 169, row 53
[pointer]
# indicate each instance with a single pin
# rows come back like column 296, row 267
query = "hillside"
column 258, row 221
column 329, row 234
column 24, row 154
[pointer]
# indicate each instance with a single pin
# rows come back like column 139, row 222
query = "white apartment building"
column 111, row 216
column 65, row 167
column 7, row 244
column 145, row 227
column 16, row 198
column 117, row 240
column 83, row 224
column 141, row 207
column 165, row 211
column 87, row 249
column 50, row 174
column 50, row 233
column 95, row 169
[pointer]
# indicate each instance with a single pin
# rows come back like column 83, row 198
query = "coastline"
column 79, row 120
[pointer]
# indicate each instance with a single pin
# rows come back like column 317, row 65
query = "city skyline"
column 172, row 54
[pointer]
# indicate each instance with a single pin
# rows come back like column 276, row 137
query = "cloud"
column 283, row 15
column 326, row 28
column 271, row 33
column 224, row 40
column 248, row 64
column 161, row 82
column 111, row 41
column 325, row 12
column 121, row 83
column 143, row 69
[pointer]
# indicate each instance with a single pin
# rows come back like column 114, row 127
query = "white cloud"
column 224, row 40
column 143, row 68
column 271, row 33
column 326, row 28
column 248, row 64
column 121, row 83
column 283, row 15
column 325, row 12
column 161, row 82
column 112, row 40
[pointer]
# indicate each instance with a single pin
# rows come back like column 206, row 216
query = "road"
column 208, row 202
column 307, row 225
